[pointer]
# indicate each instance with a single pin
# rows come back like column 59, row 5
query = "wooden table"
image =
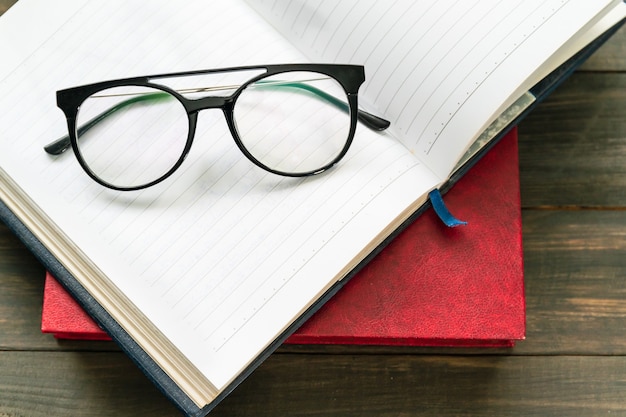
column 573, row 363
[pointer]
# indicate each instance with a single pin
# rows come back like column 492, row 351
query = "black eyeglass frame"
column 350, row 77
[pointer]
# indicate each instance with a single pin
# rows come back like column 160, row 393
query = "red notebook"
column 431, row 286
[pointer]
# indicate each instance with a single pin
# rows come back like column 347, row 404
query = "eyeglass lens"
column 135, row 134
column 293, row 123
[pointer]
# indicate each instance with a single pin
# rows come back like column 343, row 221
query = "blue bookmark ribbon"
column 442, row 211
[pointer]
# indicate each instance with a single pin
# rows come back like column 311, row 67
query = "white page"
column 440, row 71
column 177, row 250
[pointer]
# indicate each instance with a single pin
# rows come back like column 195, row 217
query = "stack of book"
column 431, row 286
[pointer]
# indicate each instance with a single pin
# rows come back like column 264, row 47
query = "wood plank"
column 5, row 4
column 21, row 281
column 611, row 56
column 573, row 146
column 575, row 293
column 105, row 384
column 71, row 383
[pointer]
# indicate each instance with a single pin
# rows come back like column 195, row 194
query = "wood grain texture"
column 573, row 363
column 610, row 57
column 575, row 269
column 95, row 384
column 4, row 6
column 21, row 294
column 573, row 147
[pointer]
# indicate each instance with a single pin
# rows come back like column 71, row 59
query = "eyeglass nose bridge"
column 205, row 103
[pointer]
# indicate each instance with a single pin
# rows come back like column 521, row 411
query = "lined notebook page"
column 441, row 71
column 222, row 256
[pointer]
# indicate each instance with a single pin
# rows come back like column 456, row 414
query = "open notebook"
column 201, row 277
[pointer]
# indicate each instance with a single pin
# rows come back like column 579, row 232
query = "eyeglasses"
column 293, row 120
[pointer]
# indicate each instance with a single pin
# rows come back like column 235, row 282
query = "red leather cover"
column 63, row 317
column 431, row 286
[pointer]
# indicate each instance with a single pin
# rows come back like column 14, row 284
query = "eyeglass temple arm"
column 368, row 119
column 62, row 144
